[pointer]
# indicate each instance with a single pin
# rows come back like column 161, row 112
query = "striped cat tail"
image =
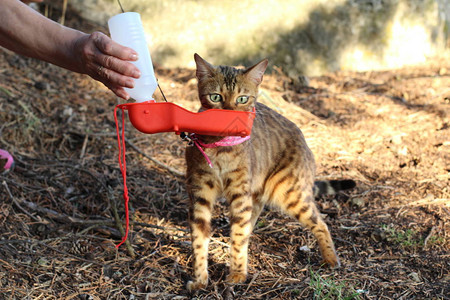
column 331, row 187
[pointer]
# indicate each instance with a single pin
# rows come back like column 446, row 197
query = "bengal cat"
column 274, row 167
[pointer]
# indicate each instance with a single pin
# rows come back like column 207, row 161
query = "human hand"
column 107, row 61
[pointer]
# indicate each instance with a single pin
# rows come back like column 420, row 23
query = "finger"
column 120, row 92
column 108, row 46
column 119, row 66
column 112, row 78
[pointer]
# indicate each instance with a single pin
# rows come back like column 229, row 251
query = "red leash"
column 123, row 166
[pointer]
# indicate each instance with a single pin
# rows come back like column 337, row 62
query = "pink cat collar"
column 226, row 141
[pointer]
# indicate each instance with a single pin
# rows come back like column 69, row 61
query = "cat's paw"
column 332, row 262
column 236, row 277
column 196, row 285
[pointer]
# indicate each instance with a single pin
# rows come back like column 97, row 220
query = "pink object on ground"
column 9, row 159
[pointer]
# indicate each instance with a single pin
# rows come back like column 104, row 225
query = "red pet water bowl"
column 152, row 117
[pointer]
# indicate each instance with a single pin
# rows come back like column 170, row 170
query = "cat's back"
column 277, row 140
column 270, row 124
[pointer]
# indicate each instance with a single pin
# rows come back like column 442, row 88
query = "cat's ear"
column 256, row 72
column 204, row 68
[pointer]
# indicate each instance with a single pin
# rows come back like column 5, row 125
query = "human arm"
column 28, row 33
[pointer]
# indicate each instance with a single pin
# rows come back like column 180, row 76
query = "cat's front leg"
column 202, row 197
column 241, row 228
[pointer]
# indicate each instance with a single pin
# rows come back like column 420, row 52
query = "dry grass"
column 387, row 130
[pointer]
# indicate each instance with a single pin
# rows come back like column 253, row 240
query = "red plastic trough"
column 152, row 117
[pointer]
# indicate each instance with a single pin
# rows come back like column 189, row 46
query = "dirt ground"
column 61, row 207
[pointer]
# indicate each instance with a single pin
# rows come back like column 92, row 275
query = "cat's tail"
column 331, row 187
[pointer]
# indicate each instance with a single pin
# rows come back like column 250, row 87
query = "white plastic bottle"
column 127, row 30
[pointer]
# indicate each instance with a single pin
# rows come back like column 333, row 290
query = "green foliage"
column 260, row 224
column 436, row 240
column 31, row 122
column 329, row 288
column 6, row 91
column 408, row 238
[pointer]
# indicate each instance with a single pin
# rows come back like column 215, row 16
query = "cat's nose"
column 228, row 107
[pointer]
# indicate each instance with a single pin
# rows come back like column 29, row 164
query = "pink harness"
column 226, row 141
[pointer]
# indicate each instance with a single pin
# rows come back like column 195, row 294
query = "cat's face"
column 227, row 87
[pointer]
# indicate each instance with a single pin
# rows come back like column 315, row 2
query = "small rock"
column 108, row 271
column 68, row 111
column 403, row 151
column 69, row 191
column 305, row 249
column 379, row 236
column 397, row 139
column 28, row 260
column 40, row 85
column 360, row 202
column 414, row 276
column 43, row 262
column 331, row 114
column 89, row 255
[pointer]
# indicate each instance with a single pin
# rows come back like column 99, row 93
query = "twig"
column 14, row 200
column 72, row 220
column 251, row 282
column 87, row 229
column 350, row 243
column 89, row 224
column 159, row 227
column 426, row 201
column 63, row 16
column 120, row 227
column 52, row 163
column 83, row 148
column 228, row 293
column 136, row 148
column 63, row 217
column 97, row 178
column 425, row 242
column 387, row 257
column 6, row 91
column 157, row 162
column 29, row 241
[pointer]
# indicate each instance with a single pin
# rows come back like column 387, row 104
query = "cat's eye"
column 242, row 99
column 215, row 97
